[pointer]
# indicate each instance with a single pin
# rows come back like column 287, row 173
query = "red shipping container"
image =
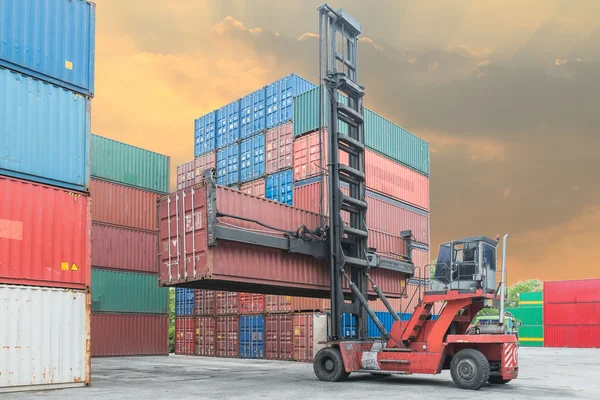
column 190, row 173
column 307, row 155
column 254, row 188
column 292, row 304
column 395, row 180
column 575, row 291
column 227, row 343
column 233, row 265
column 124, row 248
column 44, row 235
column 129, row 334
column 377, row 305
column 252, row 303
column 227, row 302
column 420, row 258
column 185, row 336
column 278, row 336
column 303, row 337
column 573, row 336
column 123, row 205
column 204, row 302
column 279, row 148
column 384, row 214
column 572, row 313
column 205, row 336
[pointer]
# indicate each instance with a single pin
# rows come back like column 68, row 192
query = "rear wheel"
column 497, row 380
column 469, row 369
column 329, row 365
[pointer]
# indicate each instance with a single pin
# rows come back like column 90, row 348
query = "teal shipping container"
column 44, row 132
column 129, row 165
column 381, row 135
column 127, row 292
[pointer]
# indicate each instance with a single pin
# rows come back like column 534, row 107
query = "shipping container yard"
column 287, row 245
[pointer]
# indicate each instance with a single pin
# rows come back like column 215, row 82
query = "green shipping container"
column 129, row 165
column 528, row 315
column 531, row 299
column 128, row 292
column 531, row 335
column 381, row 135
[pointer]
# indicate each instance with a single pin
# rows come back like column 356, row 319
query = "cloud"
column 561, row 61
column 371, row 42
column 230, row 23
column 307, row 35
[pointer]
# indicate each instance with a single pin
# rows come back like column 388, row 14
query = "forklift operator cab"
column 467, row 265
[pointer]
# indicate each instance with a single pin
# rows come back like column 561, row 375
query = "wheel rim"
column 466, row 370
column 328, row 364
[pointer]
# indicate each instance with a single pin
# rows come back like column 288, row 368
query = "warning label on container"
column 74, row 267
column 64, row 266
column 68, row 64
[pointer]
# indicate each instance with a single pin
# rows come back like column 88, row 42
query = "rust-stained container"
column 293, row 304
column 129, row 334
column 254, row 188
column 307, row 155
column 395, row 180
column 123, row 205
column 573, row 336
column 279, row 148
column 124, row 248
column 239, row 266
column 204, row 302
column 227, row 302
column 572, row 313
column 44, row 235
column 185, row 336
column 279, row 342
column 190, row 173
column 575, row 291
column 227, row 341
column 205, row 336
column 252, row 303
column 384, row 214
column 309, row 331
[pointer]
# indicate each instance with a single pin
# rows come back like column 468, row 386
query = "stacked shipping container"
column 572, row 313
column 46, row 86
column 530, row 315
column 129, row 310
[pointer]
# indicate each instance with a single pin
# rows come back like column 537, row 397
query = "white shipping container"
column 44, row 338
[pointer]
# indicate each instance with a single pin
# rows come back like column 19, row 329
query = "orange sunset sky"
column 506, row 92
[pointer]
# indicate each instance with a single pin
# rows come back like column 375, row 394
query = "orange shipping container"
column 254, row 188
column 190, row 173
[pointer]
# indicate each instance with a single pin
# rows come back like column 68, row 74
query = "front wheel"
column 329, row 365
column 497, row 380
column 469, row 369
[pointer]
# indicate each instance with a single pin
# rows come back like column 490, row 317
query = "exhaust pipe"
column 503, row 281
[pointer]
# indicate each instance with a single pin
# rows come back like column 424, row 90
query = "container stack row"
column 46, row 88
column 129, row 310
column 248, row 325
column 530, row 315
column 572, row 313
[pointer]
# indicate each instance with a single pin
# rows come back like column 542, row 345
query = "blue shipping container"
column 280, row 187
column 228, row 172
column 252, row 336
column 184, row 301
column 205, row 128
column 44, row 132
column 252, row 113
column 280, row 94
column 252, row 158
column 52, row 40
column 228, row 128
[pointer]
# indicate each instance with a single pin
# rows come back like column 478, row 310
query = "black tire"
column 329, row 365
column 497, row 380
column 469, row 369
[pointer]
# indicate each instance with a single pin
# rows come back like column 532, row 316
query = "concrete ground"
column 544, row 374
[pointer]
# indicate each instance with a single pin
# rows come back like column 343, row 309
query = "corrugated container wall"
column 252, row 113
column 204, row 302
column 575, row 291
column 44, row 130
column 205, row 336
column 129, row 335
column 185, row 336
column 129, row 165
column 51, row 40
column 227, row 302
column 127, row 292
column 573, row 336
column 252, row 158
column 280, row 187
column 572, row 313
column 252, row 303
column 254, row 188
column 278, row 336
column 226, row 331
column 381, row 134
column 45, row 338
column 122, row 205
column 252, row 340
column 191, row 173
column 531, row 299
column 124, row 248
column 184, row 301
column 280, row 94
column 204, row 134
column 44, row 235
column 279, row 148
column 228, row 171
column 228, row 128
